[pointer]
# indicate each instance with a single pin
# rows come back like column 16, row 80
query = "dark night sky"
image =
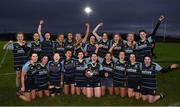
column 68, row 15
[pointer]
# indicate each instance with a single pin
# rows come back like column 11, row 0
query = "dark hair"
column 19, row 33
column 46, row 33
column 121, row 51
column 31, row 53
column 42, row 56
column 142, row 30
column 106, row 54
column 59, row 34
column 147, row 56
column 133, row 54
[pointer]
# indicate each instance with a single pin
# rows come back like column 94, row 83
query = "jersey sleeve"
column 158, row 68
column 25, row 67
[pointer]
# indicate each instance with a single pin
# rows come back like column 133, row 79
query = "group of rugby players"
column 76, row 65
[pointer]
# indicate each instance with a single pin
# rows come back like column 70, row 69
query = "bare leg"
column 97, row 92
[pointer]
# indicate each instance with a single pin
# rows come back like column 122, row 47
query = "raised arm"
column 39, row 30
column 161, row 18
column 87, row 33
column 95, row 31
column 112, row 47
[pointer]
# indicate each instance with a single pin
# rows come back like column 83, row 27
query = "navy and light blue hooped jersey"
column 35, row 46
column 90, row 49
column 142, row 49
column 117, row 48
column 47, row 48
column 69, row 45
column 104, row 48
column 120, row 74
column 42, row 75
column 133, row 71
column 31, row 71
column 20, row 54
column 107, row 68
column 69, row 67
column 96, row 69
column 78, row 49
column 55, row 70
column 80, row 71
column 128, row 50
column 60, row 48
column 148, row 76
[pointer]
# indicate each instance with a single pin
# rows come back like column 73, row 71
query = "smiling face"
column 92, row 39
column 147, row 60
column 94, row 58
column 122, row 56
column 36, row 37
column 105, row 36
column 60, row 37
column 80, row 55
column 44, row 60
column 132, row 58
column 78, row 37
column 56, row 57
column 130, row 37
column 142, row 35
column 34, row 57
column 108, row 57
column 70, row 36
column 20, row 37
column 47, row 36
column 68, row 54
column 116, row 37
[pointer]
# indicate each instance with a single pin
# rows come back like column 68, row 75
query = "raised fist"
column 161, row 18
column 41, row 22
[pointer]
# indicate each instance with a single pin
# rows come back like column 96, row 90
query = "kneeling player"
column 42, row 77
column 80, row 78
column 107, row 73
column 119, row 77
column 55, row 75
column 28, row 79
column 133, row 77
column 93, row 77
column 68, row 73
column 148, row 80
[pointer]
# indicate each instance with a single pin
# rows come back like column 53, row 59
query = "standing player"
column 68, row 73
column 129, row 46
column 42, row 77
column 59, row 46
column 116, row 45
column 79, row 42
column 69, row 42
column 103, row 42
column 120, row 75
column 55, row 75
column 47, row 44
column 20, row 49
column 35, row 45
column 145, row 45
column 90, row 47
column 93, row 77
column 80, row 78
column 28, row 77
column 107, row 74
column 133, row 70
